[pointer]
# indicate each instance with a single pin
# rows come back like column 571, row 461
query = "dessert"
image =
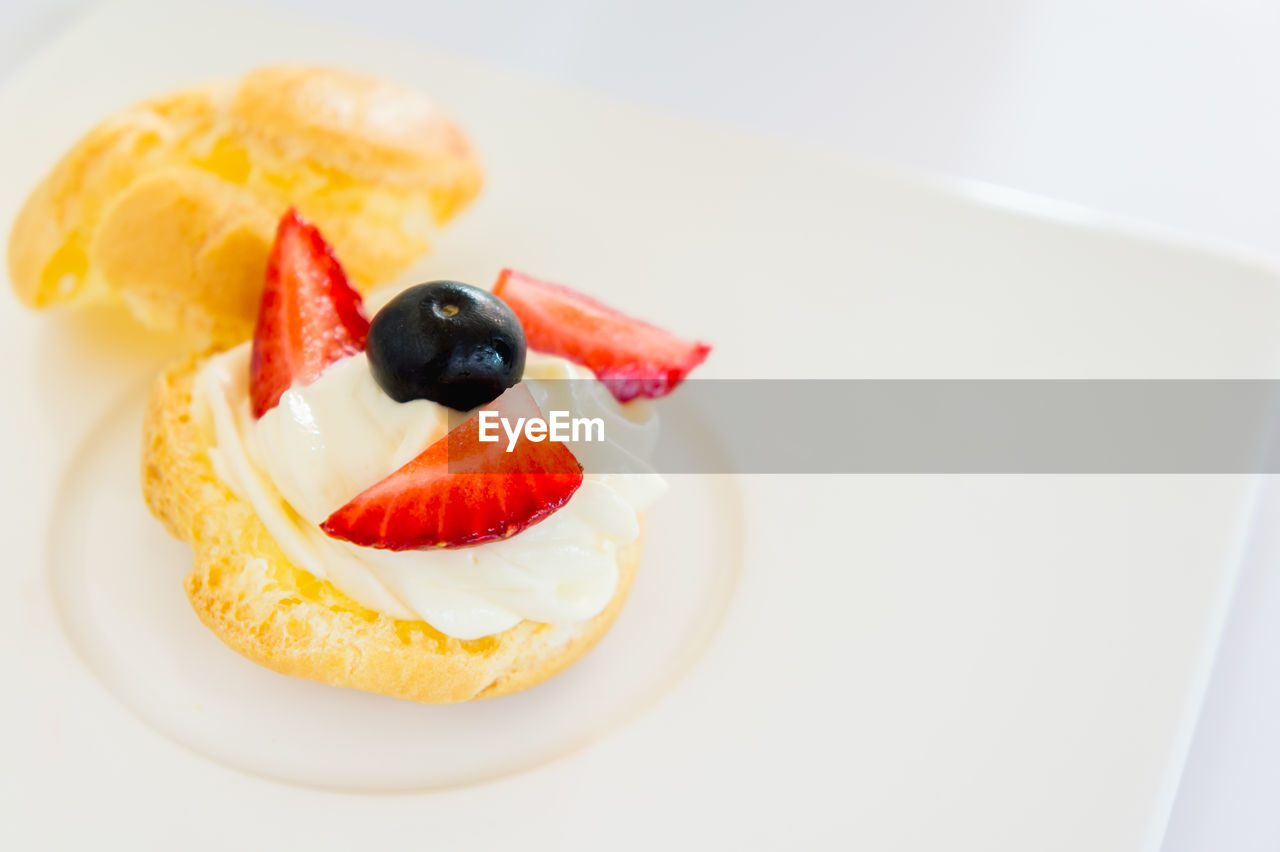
column 351, row 523
column 170, row 205
column 355, row 516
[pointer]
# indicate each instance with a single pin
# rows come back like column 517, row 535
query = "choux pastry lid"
column 171, row 205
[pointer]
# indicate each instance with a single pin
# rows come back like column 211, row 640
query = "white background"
column 1164, row 111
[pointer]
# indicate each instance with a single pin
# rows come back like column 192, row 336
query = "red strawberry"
column 309, row 317
column 461, row 490
column 631, row 357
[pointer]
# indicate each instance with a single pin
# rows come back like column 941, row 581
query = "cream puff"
column 362, row 511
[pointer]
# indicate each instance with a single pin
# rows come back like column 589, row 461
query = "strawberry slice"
column 631, row 357
column 462, row 490
column 309, row 316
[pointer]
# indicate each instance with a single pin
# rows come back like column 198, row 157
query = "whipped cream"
column 326, row 442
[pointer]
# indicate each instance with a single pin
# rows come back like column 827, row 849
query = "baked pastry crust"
column 261, row 605
column 172, row 204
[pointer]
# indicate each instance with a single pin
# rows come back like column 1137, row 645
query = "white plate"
column 986, row 663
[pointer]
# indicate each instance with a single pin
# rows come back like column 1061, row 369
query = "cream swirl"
column 327, row 441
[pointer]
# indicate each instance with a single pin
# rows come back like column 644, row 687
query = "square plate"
column 906, row 662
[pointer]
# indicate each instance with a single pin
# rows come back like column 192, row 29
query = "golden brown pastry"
column 171, row 205
column 269, row 610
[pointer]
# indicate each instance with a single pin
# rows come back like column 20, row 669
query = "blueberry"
column 448, row 342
